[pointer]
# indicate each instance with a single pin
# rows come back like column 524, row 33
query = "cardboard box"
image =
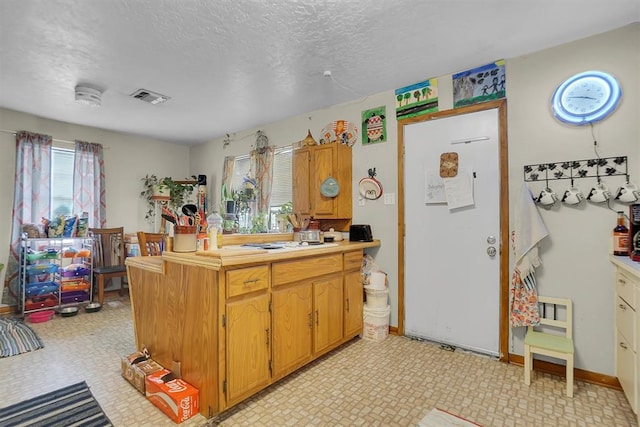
column 136, row 366
column 173, row 396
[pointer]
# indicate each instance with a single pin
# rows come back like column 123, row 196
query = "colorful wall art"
column 374, row 125
column 416, row 99
column 480, row 84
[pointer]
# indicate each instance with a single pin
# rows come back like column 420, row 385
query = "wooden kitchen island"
column 237, row 320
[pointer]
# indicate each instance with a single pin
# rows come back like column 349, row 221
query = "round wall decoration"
column 586, row 97
column 370, row 188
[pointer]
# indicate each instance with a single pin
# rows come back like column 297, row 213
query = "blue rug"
column 70, row 406
column 17, row 338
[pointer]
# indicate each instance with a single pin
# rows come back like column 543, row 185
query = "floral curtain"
column 89, row 183
column 262, row 168
column 31, row 199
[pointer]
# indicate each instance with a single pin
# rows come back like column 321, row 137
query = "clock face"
column 586, row 98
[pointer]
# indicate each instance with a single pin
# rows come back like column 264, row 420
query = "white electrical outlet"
column 389, row 198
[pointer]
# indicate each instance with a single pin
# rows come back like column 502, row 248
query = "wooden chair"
column 151, row 244
column 548, row 340
column 108, row 257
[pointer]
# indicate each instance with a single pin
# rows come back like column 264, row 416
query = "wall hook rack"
column 573, row 169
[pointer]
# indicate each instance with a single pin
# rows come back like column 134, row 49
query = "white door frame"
column 501, row 106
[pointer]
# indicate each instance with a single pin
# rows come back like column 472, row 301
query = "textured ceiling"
column 230, row 65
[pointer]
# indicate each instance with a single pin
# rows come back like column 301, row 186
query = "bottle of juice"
column 621, row 236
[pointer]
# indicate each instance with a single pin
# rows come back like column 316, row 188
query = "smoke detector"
column 90, row 96
column 150, row 97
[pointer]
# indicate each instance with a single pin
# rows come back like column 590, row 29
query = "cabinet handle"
column 622, row 306
column 317, row 318
column 622, row 281
column 623, row 345
column 267, row 333
column 250, row 281
column 310, row 320
column 347, row 303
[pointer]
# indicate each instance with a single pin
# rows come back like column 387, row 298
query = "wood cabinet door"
column 301, row 164
column 328, row 311
column 323, row 163
column 353, row 303
column 292, row 326
column 248, row 346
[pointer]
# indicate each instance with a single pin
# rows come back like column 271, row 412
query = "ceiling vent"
column 86, row 95
column 150, row 97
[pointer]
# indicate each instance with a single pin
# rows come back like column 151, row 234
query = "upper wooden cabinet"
column 312, row 165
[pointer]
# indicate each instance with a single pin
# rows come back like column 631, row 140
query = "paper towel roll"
column 378, row 280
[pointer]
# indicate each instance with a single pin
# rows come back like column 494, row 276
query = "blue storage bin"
column 37, row 289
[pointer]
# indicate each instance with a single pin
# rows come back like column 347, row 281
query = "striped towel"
column 17, row 338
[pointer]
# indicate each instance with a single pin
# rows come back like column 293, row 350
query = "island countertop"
column 240, row 255
column 238, row 319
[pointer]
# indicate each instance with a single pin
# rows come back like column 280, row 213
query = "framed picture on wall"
column 374, row 125
column 480, row 84
column 417, row 99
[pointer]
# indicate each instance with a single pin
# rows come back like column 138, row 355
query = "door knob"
column 491, row 251
column 491, row 240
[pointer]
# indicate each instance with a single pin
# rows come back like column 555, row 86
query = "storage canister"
column 184, row 238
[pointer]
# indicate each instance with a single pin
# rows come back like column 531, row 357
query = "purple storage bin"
column 74, row 296
column 74, row 271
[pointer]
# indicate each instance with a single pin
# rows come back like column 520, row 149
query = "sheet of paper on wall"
column 433, row 188
column 459, row 190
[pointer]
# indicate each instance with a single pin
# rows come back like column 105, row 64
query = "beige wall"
column 575, row 255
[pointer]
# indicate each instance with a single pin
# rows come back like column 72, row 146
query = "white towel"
column 529, row 230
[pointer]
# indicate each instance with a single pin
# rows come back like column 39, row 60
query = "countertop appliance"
column 360, row 233
column 311, row 236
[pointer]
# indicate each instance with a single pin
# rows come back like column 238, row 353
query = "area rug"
column 17, row 338
column 70, row 406
column 439, row 418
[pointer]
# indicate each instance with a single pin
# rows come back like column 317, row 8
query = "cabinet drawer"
column 626, row 370
column 625, row 288
column 626, row 321
column 245, row 280
column 293, row 271
column 353, row 260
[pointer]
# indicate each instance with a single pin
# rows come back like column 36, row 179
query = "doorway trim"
column 501, row 106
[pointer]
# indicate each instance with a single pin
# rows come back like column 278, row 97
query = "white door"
column 452, row 283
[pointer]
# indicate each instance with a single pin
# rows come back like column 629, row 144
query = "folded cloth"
column 529, row 230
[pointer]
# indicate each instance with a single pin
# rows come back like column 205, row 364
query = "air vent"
column 150, row 97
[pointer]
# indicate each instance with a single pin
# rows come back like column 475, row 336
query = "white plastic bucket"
column 376, row 298
column 376, row 323
column 378, row 280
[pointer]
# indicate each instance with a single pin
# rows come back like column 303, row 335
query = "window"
column 281, row 187
column 61, row 182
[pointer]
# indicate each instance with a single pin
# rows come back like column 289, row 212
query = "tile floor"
column 392, row 383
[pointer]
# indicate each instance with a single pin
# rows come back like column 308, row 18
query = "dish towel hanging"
column 529, row 230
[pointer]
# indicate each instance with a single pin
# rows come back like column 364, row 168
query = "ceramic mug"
column 627, row 193
column 572, row 196
column 547, row 197
column 599, row 194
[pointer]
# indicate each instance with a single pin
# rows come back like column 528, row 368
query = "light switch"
column 389, row 198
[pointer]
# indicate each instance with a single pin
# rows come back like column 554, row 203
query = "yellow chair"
column 545, row 342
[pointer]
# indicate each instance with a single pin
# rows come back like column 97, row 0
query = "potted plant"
column 163, row 190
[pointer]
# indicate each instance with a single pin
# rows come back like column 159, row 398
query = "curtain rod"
column 53, row 139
